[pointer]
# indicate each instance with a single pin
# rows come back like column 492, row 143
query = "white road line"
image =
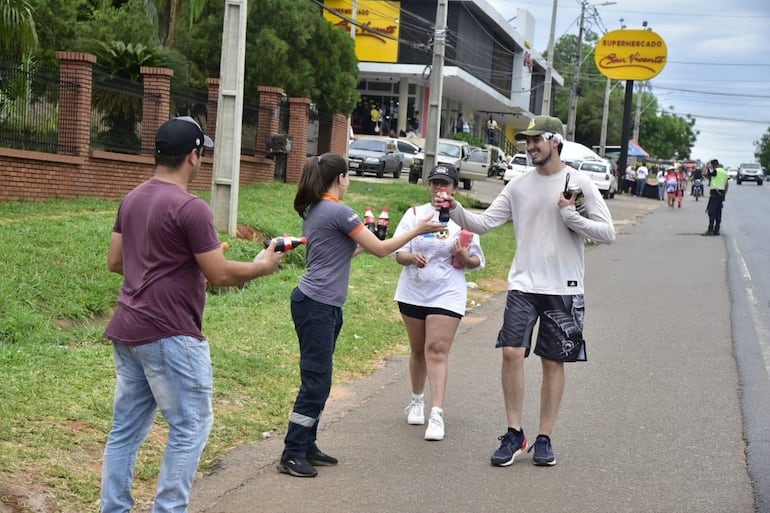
column 756, row 319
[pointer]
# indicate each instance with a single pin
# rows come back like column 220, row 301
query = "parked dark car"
column 378, row 156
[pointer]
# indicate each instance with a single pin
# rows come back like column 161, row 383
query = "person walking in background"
column 641, row 180
column 335, row 234
column 718, row 190
column 672, row 182
column 661, row 176
column 431, row 295
column 630, row 179
column 164, row 244
column 545, row 282
column 375, row 118
column 681, row 180
column 492, row 129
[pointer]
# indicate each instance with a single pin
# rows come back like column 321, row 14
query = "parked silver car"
column 377, row 156
column 750, row 172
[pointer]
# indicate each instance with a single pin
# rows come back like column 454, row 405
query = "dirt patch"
column 23, row 499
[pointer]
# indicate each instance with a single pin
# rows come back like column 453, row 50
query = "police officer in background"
column 719, row 184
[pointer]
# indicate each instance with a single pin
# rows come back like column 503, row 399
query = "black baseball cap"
column 444, row 172
column 179, row 136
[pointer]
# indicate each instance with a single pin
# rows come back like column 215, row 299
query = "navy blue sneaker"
column 543, row 452
column 511, row 445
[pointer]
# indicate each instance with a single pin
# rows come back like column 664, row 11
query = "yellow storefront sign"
column 380, row 43
column 630, row 54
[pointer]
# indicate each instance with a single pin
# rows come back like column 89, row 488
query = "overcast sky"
column 718, row 67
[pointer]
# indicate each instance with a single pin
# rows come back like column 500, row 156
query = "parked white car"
column 517, row 167
column 601, row 173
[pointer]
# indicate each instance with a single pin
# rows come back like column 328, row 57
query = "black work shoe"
column 318, row 458
column 297, row 467
column 708, row 232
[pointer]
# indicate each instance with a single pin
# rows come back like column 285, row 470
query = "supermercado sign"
column 380, row 45
column 630, row 54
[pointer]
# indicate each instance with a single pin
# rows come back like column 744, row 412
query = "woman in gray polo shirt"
column 335, row 234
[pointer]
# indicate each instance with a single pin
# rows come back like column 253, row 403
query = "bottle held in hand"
column 382, row 224
column 369, row 220
column 283, row 244
column 443, row 212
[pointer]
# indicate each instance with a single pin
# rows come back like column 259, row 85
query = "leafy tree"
column 166, row 14
column 128, row 22
column 762, row 152
column 288, row 45
column 17, row 27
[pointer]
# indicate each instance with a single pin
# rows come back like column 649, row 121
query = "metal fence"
column 116, row 113
column 29, row 111
column 29, row 108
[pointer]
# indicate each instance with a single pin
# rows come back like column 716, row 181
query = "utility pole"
column 436, row 91
column 571, row 114
column 638, row 116
column 225, row 178
column 546, row 107
column 605, row 117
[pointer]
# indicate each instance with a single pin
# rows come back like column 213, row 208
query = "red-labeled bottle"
column 369, row 220
column 282, row 244
column 382, row 224
column 286, row 243
column 443, row 211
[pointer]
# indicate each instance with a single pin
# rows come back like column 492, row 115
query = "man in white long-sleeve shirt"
column 545, row 282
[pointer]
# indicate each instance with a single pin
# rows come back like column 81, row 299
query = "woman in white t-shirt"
column 431, row 295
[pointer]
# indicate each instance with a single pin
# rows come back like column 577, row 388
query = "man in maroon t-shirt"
column 165, row 246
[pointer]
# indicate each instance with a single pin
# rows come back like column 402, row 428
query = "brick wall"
column 77, row 171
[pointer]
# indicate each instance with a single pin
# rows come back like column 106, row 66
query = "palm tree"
column 170, row 11
column 17, row 27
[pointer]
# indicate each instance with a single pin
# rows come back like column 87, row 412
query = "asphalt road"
column 651, row 423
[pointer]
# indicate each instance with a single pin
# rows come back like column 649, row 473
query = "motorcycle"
column 697, row 188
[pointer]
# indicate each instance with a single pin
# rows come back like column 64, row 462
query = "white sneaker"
column 415, row 412
column 435, row 429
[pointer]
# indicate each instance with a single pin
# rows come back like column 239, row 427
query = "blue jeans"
column 640, row 183
column 317, row 325
column 174, row 375
column 661, row 191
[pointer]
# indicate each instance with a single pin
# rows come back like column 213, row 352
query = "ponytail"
column 318, row 175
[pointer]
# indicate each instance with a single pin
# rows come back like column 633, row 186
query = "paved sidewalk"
column 651, row 423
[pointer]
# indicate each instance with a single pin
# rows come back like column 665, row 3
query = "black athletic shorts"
column 421, row 312
column 560, row 333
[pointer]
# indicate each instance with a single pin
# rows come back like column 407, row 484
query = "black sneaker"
column 318, row 458
column 708, row 232
column 297, row 467
column 543, row 452
column 511, row 445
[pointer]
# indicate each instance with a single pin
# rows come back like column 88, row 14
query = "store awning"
column 634, row 150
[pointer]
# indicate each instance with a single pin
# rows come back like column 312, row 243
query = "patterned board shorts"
column 560, row 332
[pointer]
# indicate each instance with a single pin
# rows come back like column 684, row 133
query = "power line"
column 720, row 64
